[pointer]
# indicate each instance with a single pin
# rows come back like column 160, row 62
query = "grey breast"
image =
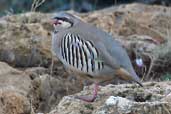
column 80, row 54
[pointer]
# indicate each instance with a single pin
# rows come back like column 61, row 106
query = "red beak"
column 55, row 21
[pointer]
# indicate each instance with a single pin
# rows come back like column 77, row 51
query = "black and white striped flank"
column 80, row 54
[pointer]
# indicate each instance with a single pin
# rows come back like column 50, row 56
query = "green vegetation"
column 8, row 7
column 166, row 77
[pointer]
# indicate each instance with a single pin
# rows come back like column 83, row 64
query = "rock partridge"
column 89, row 52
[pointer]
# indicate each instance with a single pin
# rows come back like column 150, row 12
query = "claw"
column 90, row 98
column 86, row 98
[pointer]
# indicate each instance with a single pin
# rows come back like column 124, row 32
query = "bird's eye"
column 57, row 22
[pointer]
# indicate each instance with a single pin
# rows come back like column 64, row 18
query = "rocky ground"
column 27, row 85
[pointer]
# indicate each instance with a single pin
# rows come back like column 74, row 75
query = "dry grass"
column 36, row 4
column 160, row 58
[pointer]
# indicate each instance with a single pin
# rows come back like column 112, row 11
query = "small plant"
column 166, row 77
column 89, row 106
column 36, row 4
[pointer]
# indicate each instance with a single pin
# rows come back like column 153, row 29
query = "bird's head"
column 63, row 20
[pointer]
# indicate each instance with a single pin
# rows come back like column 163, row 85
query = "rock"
column 51, row 91
column 28, row 46
column 14, row 91
column 47, row 90
column 119, row 99
column 13, row 102
column 121, row 103
column 11, row 78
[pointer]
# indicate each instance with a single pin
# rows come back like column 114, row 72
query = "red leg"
column 90, row 98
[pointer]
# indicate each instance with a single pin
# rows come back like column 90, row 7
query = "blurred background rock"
column 8, row 7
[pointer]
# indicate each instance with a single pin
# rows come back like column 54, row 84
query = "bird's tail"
column 124, row 74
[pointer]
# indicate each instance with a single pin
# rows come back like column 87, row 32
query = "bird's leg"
column 90, row 98
column 51, row 66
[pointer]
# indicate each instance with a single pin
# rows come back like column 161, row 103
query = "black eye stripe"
column 64, row 19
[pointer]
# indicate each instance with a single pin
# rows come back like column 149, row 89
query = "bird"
column 89, row 52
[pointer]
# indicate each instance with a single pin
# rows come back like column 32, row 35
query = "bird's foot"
column 86, row 98
column 90, row 98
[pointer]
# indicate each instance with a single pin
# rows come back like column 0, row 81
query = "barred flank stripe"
column 90, row 48
column 73, row 51
column 86, row 58
column 83, row 56
column 80, row 54
column 99, row 65
column 68, row 48
column 102, row 65
column 93, row 67
column 64, row 48
column 77, row 56
column 62, row 52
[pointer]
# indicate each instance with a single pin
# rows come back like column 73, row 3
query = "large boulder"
column 15, row 86
column 153, row 98
column 24, row 41
column 48, row 91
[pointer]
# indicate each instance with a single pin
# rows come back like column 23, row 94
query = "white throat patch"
column 65, row 24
